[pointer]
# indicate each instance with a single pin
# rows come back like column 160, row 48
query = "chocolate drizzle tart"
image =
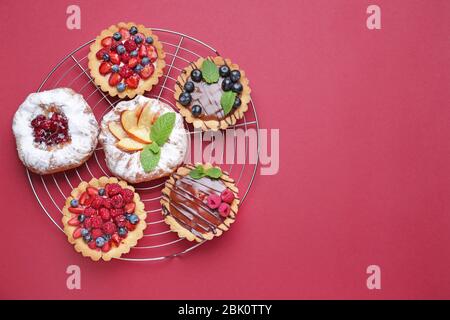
column 185, row 207
column 208, row 97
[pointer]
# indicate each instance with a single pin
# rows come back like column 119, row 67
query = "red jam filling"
column 103, row 217
column 51, row 130
column 127, row 60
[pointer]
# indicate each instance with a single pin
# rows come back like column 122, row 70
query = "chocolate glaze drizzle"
column 187, row 203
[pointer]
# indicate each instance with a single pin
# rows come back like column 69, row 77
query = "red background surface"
column 364, row 152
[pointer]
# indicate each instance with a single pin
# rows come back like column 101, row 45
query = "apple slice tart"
column 143, row 139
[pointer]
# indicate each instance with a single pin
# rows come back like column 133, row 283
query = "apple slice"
column 117, row 130
column 140, row 134
column 127, row 144
column 128, row 119
column 146, row 117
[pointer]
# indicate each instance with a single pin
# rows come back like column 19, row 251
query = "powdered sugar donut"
column 55, row 130
column 125, row 132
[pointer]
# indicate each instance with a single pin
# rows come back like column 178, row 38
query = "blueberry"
column 227, row 84
column 122, row 231
column 128, row 215
column 235, row 75
column 121, row 87
column 196, row 75
column 81, row 218
column 224, row 71
column 237, row 103
column 105, row 57
column 133, row 30
column 149, row 40
column 115, row 68
column 100, row 242
column 196, row 110
column 102, row 191
column 84, row 232
column 87, row 237
column 185, row 98
column 189, row 86
column 117, row 36
column 138, row 68
column 120, row 49
column 134, row 53
column 237, row 87
column 138, row 39
column 133, row 219
column 145, row 61
column 74, row 203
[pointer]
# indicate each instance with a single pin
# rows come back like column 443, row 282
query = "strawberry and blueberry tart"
column 104, row 218
column 126, row 59
column 199, row 202
column 212, row 93
column 55, row 130
column 143, row 139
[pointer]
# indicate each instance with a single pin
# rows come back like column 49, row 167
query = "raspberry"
column 127, row 195
column 224, row 209
column 104, row 214
column 89, row 211
column 117, row 201
column 116, row 212
column 227, row 196
column 109, row 228
column 121, row 221
column 88, row 223
column 213, row 201
column 97, row 202
column 107, row 203
column 97, row 233
column 112, row 189
column 96, row 222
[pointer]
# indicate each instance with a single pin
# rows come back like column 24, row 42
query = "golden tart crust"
column 125, row 244
column 232, row 117
column 177, row 227
column 144, row 85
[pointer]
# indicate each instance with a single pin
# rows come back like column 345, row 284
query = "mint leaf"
column 154, row 147
column 209, row 71
column 149, row 159
column 197, row 173
column 227, row 101
column 214, row 173
column 162, row 128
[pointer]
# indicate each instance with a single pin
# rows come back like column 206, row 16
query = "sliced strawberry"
column 130, row 226
column 100, row 53
column 105, row 68
column 115, row 238
column 114, row 58
column 133, row 81
column 92, row 245
column 147, row 71
column 129, row 207
column 125, row 57
column 76, row 210
column 125, row 33
column 106, row 247
column 92, row 191
column 133, row 62
column 125, row 72
column 74, row 221
column 153, row 56
column 142, row 51
column 84, row 196
column 76, row 233
column 106, row 42
column 114, row 79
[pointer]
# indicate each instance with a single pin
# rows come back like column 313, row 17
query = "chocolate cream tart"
column 212, row 93
column 199, row 202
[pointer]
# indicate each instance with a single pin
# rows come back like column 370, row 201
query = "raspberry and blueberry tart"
column 55, row 130
column 143, row 139
column 104, row 218
column 126, row 59
column 212, row 93
column 199, row 202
